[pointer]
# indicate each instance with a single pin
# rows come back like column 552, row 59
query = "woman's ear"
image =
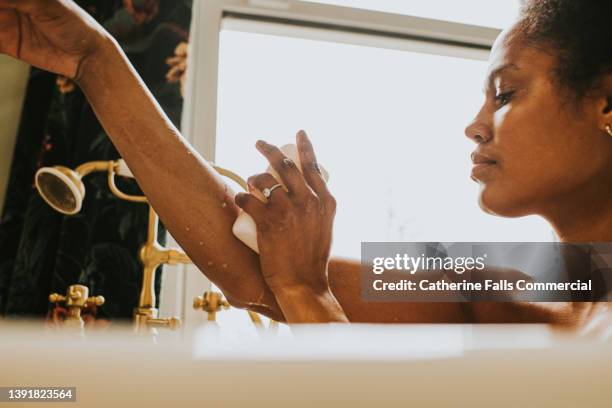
column 604, row 104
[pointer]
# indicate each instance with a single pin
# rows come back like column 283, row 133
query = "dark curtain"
column 42, row 251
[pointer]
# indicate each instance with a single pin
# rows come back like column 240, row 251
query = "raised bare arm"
column 190, row 197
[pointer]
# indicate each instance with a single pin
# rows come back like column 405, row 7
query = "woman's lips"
column 481, row 169
column 483, row 165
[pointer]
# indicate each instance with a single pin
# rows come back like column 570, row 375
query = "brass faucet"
column 62, row 188
column 64, row 191
column 152, row 255
column 211, row 303
column 76, row 299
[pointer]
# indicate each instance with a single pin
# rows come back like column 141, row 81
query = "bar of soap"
column 244, row 227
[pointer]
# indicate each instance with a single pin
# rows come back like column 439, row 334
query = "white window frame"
column 295, row 19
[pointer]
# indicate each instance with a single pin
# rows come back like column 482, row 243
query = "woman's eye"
column 504, row 97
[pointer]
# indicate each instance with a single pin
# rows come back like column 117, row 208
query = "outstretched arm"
column 191, row 199
column 187, row 193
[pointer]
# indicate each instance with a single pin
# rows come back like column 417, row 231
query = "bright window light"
column 388, row 125
column 497, row 14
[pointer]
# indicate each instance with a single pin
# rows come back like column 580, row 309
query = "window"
column 498, row 14
column 387, row 125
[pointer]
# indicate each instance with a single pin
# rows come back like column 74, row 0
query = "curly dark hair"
column 580, row 33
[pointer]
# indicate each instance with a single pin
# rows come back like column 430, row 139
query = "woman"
column 543, row 146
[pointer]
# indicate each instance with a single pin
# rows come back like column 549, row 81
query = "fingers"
column 252, row 206
column 266, row 180
column 24, row 5
column 9, row 4
column 310, row 166
column 50, row 9
column 285, row 167
column 9, row 32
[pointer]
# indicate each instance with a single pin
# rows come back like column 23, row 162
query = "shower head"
column 61, row 188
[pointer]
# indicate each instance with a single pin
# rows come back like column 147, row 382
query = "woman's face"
column 536, row 151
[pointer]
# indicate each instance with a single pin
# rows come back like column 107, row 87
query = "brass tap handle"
column 172, row 323
column 76, row 296
column 176, row 257
column 96, row 301
column 76, row 299
column 56, row 298
column 211, row 303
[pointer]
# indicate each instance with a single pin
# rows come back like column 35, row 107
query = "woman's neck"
column 583, row 217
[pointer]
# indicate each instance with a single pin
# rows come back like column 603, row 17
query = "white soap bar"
column 244, row 228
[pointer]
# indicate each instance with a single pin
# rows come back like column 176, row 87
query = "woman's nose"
column 478, row 132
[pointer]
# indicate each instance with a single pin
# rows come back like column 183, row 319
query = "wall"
column 13, row 76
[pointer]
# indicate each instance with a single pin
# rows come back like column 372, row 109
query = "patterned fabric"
column 42, row 251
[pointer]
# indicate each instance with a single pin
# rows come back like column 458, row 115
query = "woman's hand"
column 294, row 233
column 54, row 35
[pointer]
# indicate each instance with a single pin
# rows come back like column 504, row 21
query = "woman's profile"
column 542, row 138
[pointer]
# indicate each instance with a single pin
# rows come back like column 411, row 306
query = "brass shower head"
column 63, row 189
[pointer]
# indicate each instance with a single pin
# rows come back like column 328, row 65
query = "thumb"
column 26, row 6
column 9, row 32
column 252, row 206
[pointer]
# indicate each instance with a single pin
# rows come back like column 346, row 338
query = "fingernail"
column 238, row 199
column 302, row 136
column 261, row 143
